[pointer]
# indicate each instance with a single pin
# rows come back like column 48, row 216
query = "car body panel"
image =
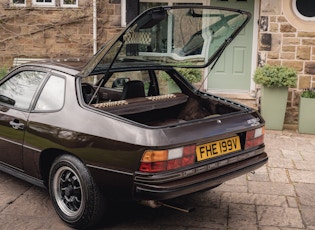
column 197, row 181
column 125, row 140
column 12, row 138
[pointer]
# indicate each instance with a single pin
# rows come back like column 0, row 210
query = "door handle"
column 15, row 124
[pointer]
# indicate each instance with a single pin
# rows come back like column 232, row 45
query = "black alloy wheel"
column 75, row 196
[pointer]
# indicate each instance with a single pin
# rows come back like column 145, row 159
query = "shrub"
column 191, row 74
column 3, row 72
column 275, row 76
column 308, row 93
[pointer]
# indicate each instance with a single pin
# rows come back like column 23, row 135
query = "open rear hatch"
column 179, row 36
column 161, row 39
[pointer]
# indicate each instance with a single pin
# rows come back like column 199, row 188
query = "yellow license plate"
column 218, row 148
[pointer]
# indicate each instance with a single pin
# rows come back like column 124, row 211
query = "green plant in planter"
column 308, row 93
column 275, row 76
column 275, row 81
column 307, row 111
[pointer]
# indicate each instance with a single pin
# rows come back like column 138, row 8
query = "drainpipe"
column 94, row 32
column 123, row 13
column 94, row 27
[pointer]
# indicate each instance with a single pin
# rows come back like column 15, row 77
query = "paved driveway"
column 280, row 195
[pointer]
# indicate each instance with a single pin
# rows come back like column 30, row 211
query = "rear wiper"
column 7, row 100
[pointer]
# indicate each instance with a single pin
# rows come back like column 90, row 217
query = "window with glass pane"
column 17, row 2
column 190, row 3
column 305, row 8
column 146, row 5
column 19, row 90
column 176, row 36
column 69, row 3
column 52, row 96
column 43, row 2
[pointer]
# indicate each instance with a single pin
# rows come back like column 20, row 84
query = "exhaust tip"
column 175, row 206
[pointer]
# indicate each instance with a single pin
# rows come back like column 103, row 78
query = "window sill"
column 37, row 7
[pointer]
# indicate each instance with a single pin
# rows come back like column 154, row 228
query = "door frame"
column 252, row 87
column 253, row 64
column 256, row 15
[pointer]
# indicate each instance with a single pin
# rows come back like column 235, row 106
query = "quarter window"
column 20, row 89
column 52, row 96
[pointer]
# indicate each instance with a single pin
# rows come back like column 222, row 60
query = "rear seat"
column 142, row 104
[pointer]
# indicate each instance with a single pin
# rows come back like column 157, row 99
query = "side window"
column 118, row 80
column 133, row 10
column 167, row 85
column 53, row 95
column 19, row 90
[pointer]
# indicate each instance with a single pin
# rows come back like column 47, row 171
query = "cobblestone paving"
column 280, row 195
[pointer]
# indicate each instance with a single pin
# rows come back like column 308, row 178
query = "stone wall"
column 281, row 42
column 54, row 32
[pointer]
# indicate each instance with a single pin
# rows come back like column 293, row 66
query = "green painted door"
column 233, row 70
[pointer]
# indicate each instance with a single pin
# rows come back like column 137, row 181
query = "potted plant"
column 275, row 81
column 307, row 112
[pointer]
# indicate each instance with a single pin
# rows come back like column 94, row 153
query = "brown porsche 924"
column 128, row 123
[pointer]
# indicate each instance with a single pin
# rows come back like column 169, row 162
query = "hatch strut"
column 227, row 41
column 107, row 71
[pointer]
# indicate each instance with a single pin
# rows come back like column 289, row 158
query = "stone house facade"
column 76, row 28
column 287, row 38
column 44, row 31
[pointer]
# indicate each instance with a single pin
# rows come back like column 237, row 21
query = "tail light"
column 254, row 137
column 163, row 160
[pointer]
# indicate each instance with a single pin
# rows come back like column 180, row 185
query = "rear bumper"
column 163, row 187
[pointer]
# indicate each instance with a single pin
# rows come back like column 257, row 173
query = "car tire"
column 76, row 198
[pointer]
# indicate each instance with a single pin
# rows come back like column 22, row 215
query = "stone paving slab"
column 280, row 195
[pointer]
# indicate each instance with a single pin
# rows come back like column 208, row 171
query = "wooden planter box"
column 307, row 115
